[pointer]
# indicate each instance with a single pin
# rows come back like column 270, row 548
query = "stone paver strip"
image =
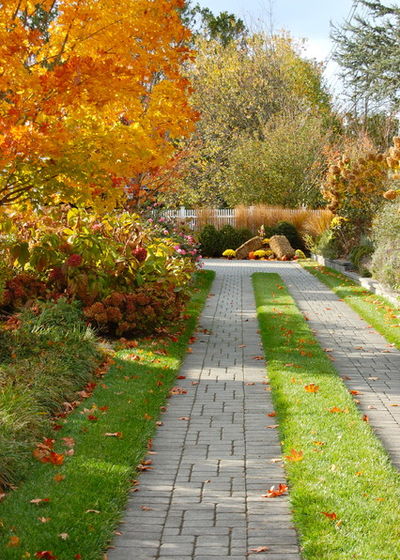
column 363, row 357
column 209, row 472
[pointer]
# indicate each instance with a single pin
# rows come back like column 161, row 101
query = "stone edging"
column 370, row 284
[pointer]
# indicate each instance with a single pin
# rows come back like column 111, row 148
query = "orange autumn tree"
column 91, row 97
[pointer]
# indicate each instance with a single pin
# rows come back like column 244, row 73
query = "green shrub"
column 358, row 255
column 244, row 235
column 269, row 231
column 210, row 242
column 327, row 245
column 386, row 236
column 291, row 233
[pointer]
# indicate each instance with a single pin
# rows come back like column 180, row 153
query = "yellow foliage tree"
column 91, row 96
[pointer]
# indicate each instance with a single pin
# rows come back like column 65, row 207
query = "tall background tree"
column 368, row 52
column 261, row 104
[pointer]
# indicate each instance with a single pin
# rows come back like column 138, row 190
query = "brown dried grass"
column 205, row 216
column 313, row 222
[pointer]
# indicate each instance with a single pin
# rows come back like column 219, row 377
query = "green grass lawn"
column 375, row 310
column 344, row 491
column 102, row 442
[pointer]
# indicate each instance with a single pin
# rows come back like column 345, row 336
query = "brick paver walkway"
column 210, row 471
column 215, row 457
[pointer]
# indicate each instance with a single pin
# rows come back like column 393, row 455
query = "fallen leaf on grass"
column 92, row 418
column 320, row 443
column 295, row 456
column 329, row 515
column 45, row 456
column 272, row 493
column 336, row 409
column 38, row 501
column 64, row 536
column 68, row 441
column 311, row 388
column 113, row 434
column 135, row 357
column 14, row 541
column 258, row 550
column 46, row 555
column 92, row 511
column 59, row 477
column 147, row 416
column 44, row 519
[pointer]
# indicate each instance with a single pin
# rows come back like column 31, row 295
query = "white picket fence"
column 217, row 216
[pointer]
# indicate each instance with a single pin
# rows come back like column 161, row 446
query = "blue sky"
column 308, row 19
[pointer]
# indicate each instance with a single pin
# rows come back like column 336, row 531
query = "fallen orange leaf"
column 311, row 388
column 329, row 515
column 272, row 414
column 258, row 549
column 59, row 477
column 14, row 541
column 113, row 434
column 272, row 493
column 295, row 455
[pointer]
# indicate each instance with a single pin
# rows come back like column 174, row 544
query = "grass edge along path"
column 68, row 512
column 375, row 310
column 344, row 491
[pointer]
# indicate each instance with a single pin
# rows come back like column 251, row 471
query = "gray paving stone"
column 210, row 471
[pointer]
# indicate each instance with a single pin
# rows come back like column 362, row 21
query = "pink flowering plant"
column 66, row 252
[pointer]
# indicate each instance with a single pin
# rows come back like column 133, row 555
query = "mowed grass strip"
column 344, row 491
column 375, row 310
column 108, row 435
